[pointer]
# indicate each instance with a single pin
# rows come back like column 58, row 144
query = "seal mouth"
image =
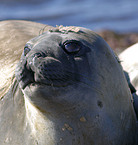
column 58, row 85
column 44, row 84
column 54, row 82
column 49, row 78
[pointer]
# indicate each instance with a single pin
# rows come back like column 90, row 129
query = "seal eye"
column 27, row 48
column 72, row 46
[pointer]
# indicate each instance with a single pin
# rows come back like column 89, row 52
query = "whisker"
column 42, row 30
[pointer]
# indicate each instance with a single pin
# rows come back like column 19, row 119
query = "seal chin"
column 38, row 91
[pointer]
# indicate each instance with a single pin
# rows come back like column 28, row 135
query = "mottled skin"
column 69, row 89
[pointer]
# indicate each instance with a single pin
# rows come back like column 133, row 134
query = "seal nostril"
column 27, row 48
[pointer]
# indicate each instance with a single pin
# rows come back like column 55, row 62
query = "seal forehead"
column 66, row 29
column 60, row 34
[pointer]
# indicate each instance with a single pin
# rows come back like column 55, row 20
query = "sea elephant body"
column 68, row 88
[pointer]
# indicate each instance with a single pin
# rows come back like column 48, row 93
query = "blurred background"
column 115, row 20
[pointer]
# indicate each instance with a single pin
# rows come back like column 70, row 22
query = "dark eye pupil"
column 72, row 47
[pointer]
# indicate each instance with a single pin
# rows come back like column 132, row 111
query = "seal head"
column 75, row 80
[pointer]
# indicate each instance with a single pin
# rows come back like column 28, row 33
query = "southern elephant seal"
column 129, row 61
column 68, row 89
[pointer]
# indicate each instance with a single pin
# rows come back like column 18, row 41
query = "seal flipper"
column 132, row 88
column 134, row 93
column 135, row 103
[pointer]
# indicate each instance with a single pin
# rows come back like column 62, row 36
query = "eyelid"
column 71, row 41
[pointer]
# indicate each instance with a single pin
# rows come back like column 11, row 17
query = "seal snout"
column 49, row 71
column 51, row 68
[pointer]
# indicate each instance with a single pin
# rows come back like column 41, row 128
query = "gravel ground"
column 118, row 42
